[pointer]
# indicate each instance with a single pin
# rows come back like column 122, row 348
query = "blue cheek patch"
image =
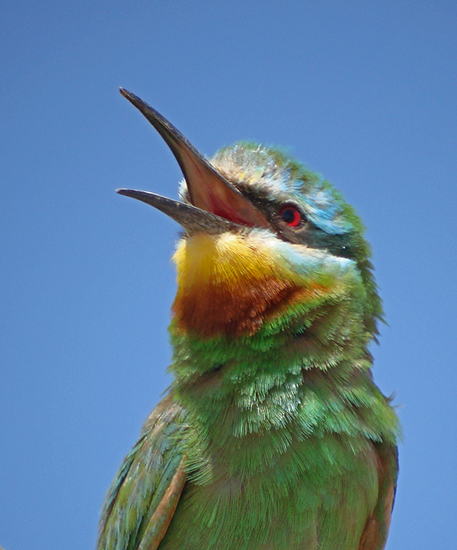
column 325, row 211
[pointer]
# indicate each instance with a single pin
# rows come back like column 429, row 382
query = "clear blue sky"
column 363, row 92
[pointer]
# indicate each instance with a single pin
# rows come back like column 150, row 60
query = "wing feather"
column 143, row 497
column 374, row 536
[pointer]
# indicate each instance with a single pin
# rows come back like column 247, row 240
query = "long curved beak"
column 216, row 204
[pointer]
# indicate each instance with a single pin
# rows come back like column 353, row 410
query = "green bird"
column 273, row 435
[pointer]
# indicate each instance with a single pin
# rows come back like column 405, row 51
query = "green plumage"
column 275, row 438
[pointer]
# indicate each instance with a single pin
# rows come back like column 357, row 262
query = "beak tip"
column 128, row 95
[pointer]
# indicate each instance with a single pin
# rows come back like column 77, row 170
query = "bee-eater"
column 273, row 435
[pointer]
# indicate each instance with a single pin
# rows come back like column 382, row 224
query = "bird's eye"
column 291, row 215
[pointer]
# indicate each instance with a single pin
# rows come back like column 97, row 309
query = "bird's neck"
column 258, row 321
column 234, row 285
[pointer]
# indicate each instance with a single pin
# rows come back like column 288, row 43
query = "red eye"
column 291, row 216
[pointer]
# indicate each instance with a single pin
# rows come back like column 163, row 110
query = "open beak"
column 216, row 205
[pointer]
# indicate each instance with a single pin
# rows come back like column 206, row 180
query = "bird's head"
column 263, row 235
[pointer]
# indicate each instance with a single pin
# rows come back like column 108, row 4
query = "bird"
column 272, row 435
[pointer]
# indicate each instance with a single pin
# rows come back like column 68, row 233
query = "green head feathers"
column 271, row 178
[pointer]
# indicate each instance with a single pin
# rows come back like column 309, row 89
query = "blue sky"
column 363, row 92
